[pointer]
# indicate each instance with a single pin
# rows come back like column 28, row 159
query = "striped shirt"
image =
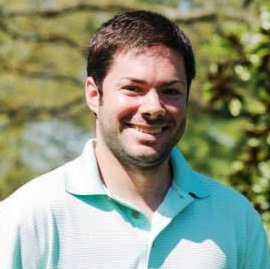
column 68, row 219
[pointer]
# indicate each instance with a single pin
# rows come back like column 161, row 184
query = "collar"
column 82, row 175
column 186, row 179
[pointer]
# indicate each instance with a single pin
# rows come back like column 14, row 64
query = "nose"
column 152, row 106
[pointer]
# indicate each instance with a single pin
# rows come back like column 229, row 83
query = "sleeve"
column 257, row 252
column 22, row 238
column 10, row 245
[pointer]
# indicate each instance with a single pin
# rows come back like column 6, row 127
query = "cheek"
column 127, row 104
column 178, row 110
column 119, row 106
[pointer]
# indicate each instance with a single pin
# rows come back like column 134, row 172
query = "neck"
column 142, row 187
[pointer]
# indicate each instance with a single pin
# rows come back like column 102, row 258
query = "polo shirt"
column 68, row 219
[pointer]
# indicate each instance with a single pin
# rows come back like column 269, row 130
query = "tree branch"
column 26, row 113
column 36, row 38
column 42, row 75
column 176, row 15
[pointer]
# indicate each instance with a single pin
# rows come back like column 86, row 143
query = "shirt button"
column 135, row 214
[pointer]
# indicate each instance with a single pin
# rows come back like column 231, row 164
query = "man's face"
column 143, row 109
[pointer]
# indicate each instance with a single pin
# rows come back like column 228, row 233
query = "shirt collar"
column 186, row 179
column 82, row 175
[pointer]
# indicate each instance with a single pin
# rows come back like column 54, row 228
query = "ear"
column 92, row 94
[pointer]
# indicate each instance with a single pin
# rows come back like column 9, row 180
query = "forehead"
column 147, row 57
column 152, row 51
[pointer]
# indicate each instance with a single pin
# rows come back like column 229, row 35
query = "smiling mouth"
column 148, row 129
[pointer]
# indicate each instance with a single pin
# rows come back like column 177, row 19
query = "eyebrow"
column 163, row 84
column 176, row 81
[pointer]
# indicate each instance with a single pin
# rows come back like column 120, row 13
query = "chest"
column 114, row 236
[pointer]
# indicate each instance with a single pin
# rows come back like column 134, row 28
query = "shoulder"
column 202, row 185
column 38, row 193
column 227, row 199
column 51, row 190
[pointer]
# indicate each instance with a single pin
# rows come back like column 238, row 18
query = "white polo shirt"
column 67, row 219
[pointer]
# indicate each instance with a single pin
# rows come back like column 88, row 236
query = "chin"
column 147, row 160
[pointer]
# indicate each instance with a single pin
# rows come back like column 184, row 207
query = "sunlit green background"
column 43, row 117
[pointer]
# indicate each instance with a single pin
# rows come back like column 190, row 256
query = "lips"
column 147, row 129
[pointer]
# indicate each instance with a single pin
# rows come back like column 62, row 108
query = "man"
column 130, row 200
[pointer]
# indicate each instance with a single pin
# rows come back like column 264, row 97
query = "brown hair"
column 135, row 30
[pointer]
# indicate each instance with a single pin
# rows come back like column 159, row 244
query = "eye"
column 132, row 90
column 171, row 92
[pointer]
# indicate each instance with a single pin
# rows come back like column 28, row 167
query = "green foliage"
column 239, row 85
column 42, row 64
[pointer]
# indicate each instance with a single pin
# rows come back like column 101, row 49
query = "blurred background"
column 44, row 120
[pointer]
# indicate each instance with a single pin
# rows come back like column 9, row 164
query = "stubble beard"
column 126, row 159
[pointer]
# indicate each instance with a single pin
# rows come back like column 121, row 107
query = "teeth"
column 148, row 130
